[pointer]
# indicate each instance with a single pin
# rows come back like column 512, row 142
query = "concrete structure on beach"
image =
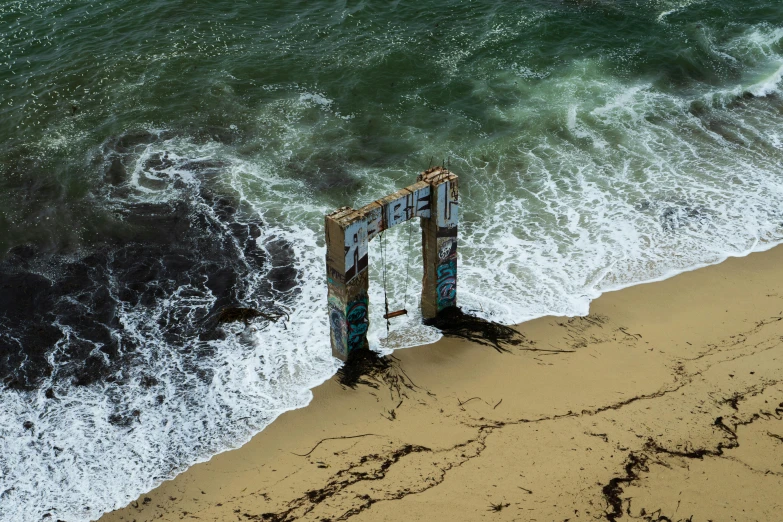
column 434, row 199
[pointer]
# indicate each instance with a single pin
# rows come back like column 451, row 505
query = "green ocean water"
column 599, row 144
column 474, row 80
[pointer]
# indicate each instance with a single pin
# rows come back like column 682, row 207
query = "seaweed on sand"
column 361, row 365
column 453, row 322
column 368, row 368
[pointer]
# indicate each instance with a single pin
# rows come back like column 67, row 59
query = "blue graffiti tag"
column 357, row 322
column 447, row 283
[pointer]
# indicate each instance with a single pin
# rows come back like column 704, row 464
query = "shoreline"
column 428, row 428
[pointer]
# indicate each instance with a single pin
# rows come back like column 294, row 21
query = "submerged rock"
column 167, row 270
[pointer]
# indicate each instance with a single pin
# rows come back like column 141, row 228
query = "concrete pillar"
column 439, row 243
column 347, row 280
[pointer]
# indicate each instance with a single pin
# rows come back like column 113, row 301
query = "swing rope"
column 408, row 268
column 385, row 294
column 388, row 315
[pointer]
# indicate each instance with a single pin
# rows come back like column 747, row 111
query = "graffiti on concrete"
column 421, row 201
column 399, row 210
column 447, row 248
column 335, row 277
column 447, row 283
column 357, row 320
column 374, row 220
column 447, row 219
column 355, row 249
column 448, row 204
column 337, row 324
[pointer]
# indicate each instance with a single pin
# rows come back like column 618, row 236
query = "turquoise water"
column 598, row 143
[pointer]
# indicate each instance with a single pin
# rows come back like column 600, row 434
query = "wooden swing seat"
column 395, row 314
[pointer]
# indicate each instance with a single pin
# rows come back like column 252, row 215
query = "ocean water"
column 161, row 160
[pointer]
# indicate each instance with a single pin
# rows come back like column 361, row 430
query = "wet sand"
column 664, row 404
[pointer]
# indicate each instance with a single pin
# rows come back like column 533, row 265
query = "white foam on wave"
column 757, row 50
column 666, row 191
column 675, row 7
column 60, row 466
column 761, row 39
column 667, row 13
column 768, row 85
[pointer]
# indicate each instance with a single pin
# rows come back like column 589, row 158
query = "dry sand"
column 664, row 404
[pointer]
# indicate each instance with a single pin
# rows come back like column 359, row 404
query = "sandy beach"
column 664, row 404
